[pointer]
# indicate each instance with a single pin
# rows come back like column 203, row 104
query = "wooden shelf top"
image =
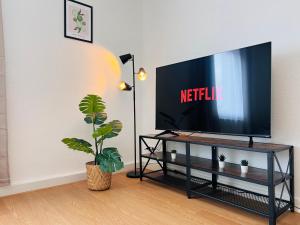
column 225, row 143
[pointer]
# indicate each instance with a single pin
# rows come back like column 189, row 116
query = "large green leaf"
column 91, row 104
column 102, row 131
column 110, row 160
column 116, row 128
column 97, row 118
column 78, row 145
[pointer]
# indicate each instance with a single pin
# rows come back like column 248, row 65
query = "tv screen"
column 225, row 93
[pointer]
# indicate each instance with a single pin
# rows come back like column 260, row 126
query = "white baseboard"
column 46, row 183
column 40, row 184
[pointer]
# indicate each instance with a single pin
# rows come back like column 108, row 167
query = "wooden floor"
column 129, row 201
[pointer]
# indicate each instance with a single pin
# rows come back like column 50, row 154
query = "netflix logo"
column 200, row 94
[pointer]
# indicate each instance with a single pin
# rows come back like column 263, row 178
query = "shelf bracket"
column 152, row 151
column 284, row 180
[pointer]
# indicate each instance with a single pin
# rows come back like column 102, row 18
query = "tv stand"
column 268, row 205
column 167, row 132
column 250, row 142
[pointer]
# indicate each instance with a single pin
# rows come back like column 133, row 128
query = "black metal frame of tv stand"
column 265, row 205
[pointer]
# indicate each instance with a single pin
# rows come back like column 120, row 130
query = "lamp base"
column 133, row 174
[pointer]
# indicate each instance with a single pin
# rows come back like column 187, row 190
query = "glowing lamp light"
column 142, row 75
column 124, row 86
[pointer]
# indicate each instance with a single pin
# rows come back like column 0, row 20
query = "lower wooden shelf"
column 175, row 179
column 247, row 200
column 253, row 202
column 254, row 175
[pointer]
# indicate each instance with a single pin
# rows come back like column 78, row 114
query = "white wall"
column 175, row 30
column 48, row 75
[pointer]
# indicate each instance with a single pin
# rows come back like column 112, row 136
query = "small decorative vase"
column 96, row 179
column 221, row 164
column 244, row 169
column 173, row 156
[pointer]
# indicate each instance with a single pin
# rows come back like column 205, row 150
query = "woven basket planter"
column 96, row 179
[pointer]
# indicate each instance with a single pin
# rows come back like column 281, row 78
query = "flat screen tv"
column 225, row 93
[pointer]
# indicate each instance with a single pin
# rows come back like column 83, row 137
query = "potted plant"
column 222, row 159
column 244, row 166
column 106, row 160
column 173, row 155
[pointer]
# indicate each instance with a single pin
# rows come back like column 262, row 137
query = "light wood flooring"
column 129, row 202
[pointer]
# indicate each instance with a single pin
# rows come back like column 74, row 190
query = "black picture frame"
column 65, row 21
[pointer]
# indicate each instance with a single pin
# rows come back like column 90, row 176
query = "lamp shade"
column 142, row 75
column 125, row 58
column 124, row 86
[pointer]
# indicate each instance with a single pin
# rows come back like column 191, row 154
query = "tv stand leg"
column 292, row 188
column 188, row 169
column 167, row 132
column 250, row 142
column 140, row 158
column 214, row 157
column 164, row 148
column 272, row 221
column 271, row 189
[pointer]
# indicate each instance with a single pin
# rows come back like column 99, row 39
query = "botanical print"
column 78, row 18
column 78, row 21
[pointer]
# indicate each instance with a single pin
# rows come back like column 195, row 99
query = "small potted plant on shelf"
column 106, row 159
column 244, row 166
column 173, row 155
column 222, row 159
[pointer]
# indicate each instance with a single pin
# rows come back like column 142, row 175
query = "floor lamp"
column 141, row 74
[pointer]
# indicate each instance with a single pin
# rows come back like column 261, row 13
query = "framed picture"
column 78, row 21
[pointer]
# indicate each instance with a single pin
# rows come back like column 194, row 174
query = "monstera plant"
column 106, row 159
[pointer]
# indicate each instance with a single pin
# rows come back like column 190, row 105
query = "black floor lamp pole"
column 135, row 173
column 142, row 75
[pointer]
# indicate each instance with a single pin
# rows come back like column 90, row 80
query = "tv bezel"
column 221, row 133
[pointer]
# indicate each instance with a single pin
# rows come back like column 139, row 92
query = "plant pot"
column 244, row 169
column 221, row 164
column 96, row 179
column 173, row 156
